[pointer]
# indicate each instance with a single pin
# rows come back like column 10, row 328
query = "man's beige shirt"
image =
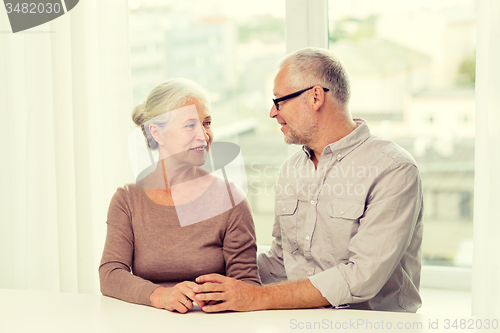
column 353, row 225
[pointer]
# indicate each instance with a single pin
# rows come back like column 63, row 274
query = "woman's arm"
column 115, row 270
column 239, row 245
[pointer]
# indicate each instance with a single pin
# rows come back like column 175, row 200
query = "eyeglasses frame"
column 276, row 101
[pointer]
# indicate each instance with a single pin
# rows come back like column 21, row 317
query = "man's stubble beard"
column 305, row 134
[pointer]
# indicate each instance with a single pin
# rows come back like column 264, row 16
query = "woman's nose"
column 207, row 135
column 201, row 134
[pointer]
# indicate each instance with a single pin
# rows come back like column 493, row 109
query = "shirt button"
column 342, row 212
column 339, row 156
column 312, row 202
column 309, row 272
column 307, row 238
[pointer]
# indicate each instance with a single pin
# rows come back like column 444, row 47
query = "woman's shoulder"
column 219, row 185
column 127, row 189
column 236, row 195
column 128, row 193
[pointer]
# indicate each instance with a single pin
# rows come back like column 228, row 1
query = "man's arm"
column 384, row 235
column 271, row 266
column 385, row 232
column 240, row 296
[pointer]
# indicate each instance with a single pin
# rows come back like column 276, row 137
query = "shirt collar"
column 347, row 144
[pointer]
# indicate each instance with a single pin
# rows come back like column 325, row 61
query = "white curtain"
column 65, row 103
column 486, row 267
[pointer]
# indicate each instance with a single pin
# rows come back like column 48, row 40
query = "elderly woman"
column 178, row 221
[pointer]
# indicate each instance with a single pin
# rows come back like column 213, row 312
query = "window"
column 412, row 66
column 412, row 72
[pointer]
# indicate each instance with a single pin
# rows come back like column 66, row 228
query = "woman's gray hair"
column 165, row 97
column 314, row 66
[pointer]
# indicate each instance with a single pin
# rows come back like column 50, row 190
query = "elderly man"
column 348, row 226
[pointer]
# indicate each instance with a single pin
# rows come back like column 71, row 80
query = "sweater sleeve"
column 115, row 270
column 239, row 247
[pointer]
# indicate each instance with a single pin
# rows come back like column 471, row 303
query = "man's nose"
column 274, row 112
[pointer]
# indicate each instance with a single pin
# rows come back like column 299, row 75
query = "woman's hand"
column 178, row 298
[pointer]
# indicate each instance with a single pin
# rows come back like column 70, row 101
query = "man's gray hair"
column 314, row 66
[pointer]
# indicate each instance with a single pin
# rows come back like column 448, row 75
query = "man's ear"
column 318, row 97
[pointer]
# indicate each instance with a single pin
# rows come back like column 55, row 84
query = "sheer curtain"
column 486, row 268
column 65, row 101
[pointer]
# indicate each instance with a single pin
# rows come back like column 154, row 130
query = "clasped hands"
column 212, row 293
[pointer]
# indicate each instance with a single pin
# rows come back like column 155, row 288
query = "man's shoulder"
column 294, row 164
column 377, row 148
column 295, row 159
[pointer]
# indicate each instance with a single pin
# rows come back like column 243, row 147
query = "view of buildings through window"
column 412, row 70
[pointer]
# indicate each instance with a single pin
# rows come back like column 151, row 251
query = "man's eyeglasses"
column 292, row 95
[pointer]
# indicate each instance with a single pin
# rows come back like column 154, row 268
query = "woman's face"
column 187, row 136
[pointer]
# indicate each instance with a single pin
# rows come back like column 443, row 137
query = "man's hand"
column 178, row 298
column 240, row 296
column 232, row 294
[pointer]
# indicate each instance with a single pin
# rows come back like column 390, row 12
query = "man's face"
column 296, row 123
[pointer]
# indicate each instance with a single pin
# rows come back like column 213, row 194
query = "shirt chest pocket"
column 342, row 226
column 286, row 211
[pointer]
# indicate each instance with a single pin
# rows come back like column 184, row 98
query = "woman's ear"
column 154, row 130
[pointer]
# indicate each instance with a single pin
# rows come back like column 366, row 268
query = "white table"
column 31, row 311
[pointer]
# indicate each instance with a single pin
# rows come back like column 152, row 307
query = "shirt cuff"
column 332, row 285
